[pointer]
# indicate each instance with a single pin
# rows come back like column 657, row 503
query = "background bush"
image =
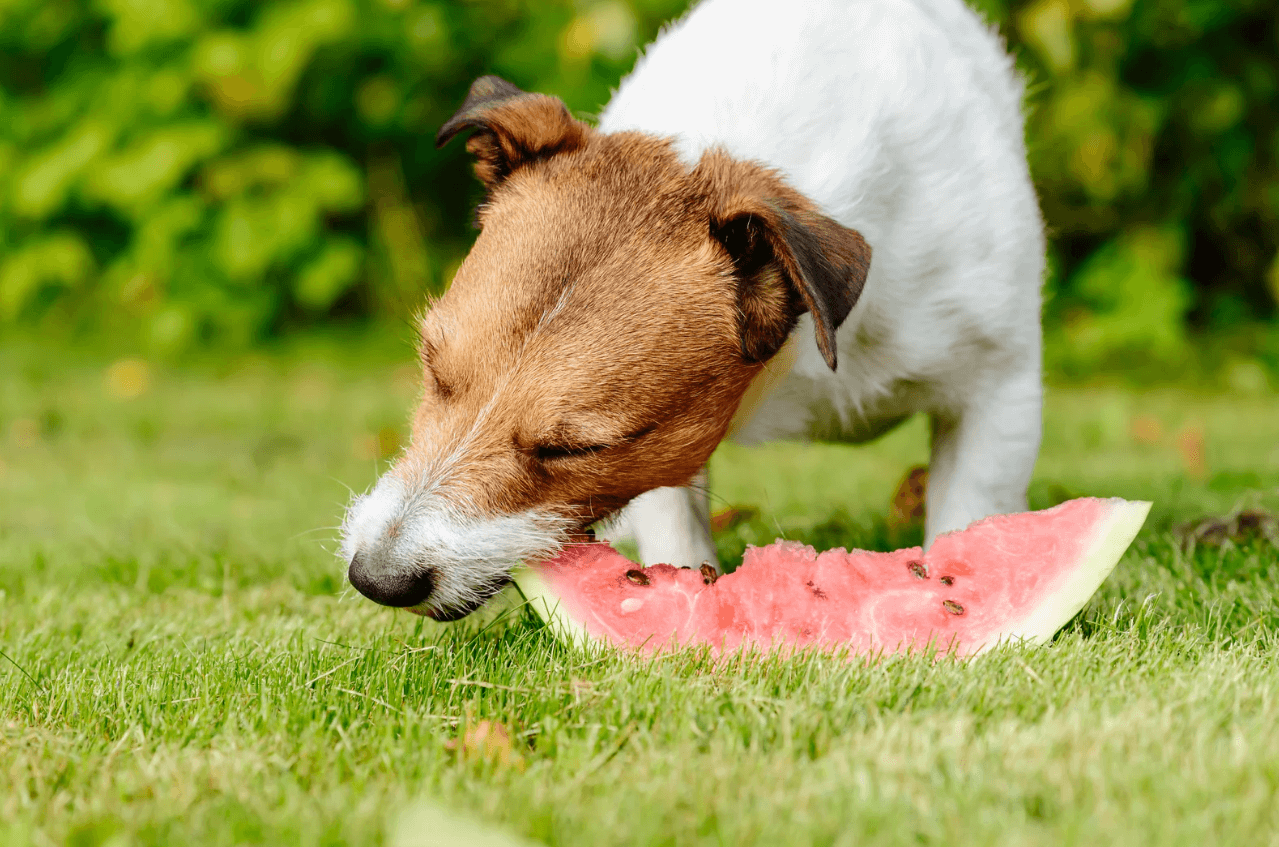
column 178, row 172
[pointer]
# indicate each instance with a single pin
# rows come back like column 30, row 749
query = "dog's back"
column 901, row 119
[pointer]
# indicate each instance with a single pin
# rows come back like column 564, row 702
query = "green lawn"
column 182, row 663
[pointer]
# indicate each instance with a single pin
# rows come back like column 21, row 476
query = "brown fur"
column 615, row 307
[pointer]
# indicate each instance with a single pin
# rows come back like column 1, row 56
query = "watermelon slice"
column 1014, row 577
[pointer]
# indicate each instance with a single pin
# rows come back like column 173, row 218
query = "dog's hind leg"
column 984, row 453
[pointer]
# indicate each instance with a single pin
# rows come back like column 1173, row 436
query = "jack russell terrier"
column 700, row 265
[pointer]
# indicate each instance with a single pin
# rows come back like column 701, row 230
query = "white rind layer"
column 1111, row 537
column 547, row 605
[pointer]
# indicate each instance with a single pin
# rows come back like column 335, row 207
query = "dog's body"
column 699, row 265
column 902, row 120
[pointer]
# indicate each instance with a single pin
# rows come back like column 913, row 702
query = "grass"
column 182, row 664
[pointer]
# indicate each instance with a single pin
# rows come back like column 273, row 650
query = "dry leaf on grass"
column 1191, row 446
column 908, row 502
column 1147, row 430
column 732, row 516
column 488, row 741
column 1244, row 526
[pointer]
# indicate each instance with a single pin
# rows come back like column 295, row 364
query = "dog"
column 700, row 265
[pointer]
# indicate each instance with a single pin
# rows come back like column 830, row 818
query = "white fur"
column 900, row 119
column 465, row 554
column 673, row 519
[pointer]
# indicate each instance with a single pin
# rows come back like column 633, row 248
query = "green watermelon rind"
column 1111, row 538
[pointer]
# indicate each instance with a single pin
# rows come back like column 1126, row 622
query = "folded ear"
column 515, row 128
column 788, row 258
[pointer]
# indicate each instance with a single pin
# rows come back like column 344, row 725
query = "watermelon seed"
column 917, row 570
column 709, row 574
column 952, row 607
column 817, row 592
column 638, row 577
column 947, row 580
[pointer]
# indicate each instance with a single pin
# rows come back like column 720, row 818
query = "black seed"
column 638, row 577
column 947, row 580
column 917, row 570
column 709, row 574
column 952, row 607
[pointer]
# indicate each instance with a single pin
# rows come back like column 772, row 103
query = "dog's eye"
column 555, row 452
column 551, row 452
column 435, row 385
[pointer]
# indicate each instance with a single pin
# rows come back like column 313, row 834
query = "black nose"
column 390, row 588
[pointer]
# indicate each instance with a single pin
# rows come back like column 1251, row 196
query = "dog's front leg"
column 672, row 525
column 983, row 455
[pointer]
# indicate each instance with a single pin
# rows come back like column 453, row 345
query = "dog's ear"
column 788, row 258
column 515, row 128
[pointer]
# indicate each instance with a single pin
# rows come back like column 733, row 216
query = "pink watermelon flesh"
column 1014, row 577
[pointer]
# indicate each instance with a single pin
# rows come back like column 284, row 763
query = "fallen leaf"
column 486, row 741
column 1191, row 446
column 1147, row 430
column 732, row 516
column 1243, row 526
column 909, row 501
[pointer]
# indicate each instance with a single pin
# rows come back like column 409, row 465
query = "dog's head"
column 594, row 344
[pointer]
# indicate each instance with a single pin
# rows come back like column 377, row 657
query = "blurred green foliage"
column 195, row 170
column 1154, row 140
column 183, row 171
